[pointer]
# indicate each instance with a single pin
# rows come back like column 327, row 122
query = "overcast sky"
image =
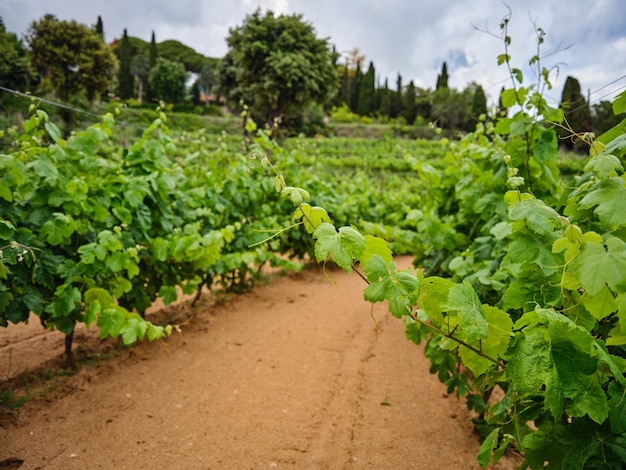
column 410, row 37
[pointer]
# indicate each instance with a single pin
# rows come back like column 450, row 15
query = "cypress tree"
column 410, row 103
column 124, row 76
column 344, row 91
column 385, row 100
column 442, row 79
column 396, row 100
column 576, row 112
column 152, row 58
column 479, row 103
column 366, row 101
column 355, row 88
column 99, row 28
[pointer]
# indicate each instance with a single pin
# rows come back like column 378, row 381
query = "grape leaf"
column 472, row 322
column 343, row 246
column 561, row 357
column 434, row 295
column 602, row 304
column 540, row 218
column 494, row 346
column 609, row 197
column 597, row 267
column 401, row 289
column 375, row 246
column 604, row 165
column 295, row 195
column 311, row 216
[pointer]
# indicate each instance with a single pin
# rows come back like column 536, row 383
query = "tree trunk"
column 69, row 354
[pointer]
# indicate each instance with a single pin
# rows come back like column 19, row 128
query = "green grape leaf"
column 295, row 195
column 561, row 357
column 45, row 168
column 58, row 229
column 168, row 294
column 121, row 287
column 103, row 297
column 487, row 447
column 311, row 216
column 540, row 218
column 494, row 346
column 617, row 407
column 123, row 214
column 528, row 246
column 53, row 131
column 111, row 321
column 596, row 267
column 602, row 304
column 91, row 312
column 609, row 197
column 604, row 165
column 472, row 322
column 435, row 293
column 66, row 301
column 508, row 97
column 531, row 286
column 159, row 248
column 342, row 246
column 6, row 193
column 375, row 246
column 401, row 289
column 619, row 104
column 616, row 365
column 134, row 329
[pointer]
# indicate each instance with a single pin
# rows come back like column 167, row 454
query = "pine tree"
column 365, row 105
column 442, row 79
column 124, row 76
column 99, row 28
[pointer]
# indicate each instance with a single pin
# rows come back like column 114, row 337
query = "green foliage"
column 14, row 67
column 279, row 66
column 366, row 92
column 167, row 81
column 72, row 56
column 442, row 78
column 175, row 51
column 576, row 113
column 125, row 81
column 92, row 231
column 521, row 286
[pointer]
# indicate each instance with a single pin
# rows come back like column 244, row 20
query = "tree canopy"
column 279, row 65
column 167, row 80
column 14, row 69
column 72, row 56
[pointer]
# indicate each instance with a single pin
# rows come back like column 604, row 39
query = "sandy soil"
column 293, row 375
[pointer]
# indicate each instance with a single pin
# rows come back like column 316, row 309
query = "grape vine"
column 522, row 282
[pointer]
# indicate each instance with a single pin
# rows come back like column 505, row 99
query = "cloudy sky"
column 584, row 38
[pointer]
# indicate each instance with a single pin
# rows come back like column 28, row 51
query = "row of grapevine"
column 94, row 232
column 521, row 286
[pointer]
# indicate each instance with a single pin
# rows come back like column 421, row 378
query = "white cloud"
column 400, row 36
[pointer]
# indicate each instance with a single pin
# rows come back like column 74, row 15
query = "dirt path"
column 293, row 375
